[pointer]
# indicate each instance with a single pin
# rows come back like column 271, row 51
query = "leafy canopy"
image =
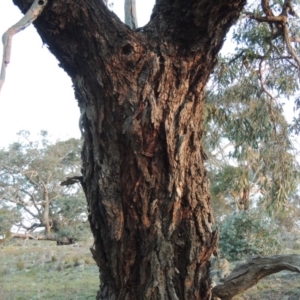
column 30, row 177
column 250, row 138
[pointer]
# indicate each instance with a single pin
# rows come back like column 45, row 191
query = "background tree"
column 8, row 216
column 141, row 95
column 250, row 233
column 250, row 162
column 249, row 141
column 30, row 177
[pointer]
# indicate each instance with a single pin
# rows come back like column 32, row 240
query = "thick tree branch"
column 91, row 26
column 248, row 274
column 186, row 24
column 193, row 25
column 266, row 19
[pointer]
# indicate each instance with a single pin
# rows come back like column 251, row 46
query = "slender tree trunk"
column 46, row 211
column 141, row 100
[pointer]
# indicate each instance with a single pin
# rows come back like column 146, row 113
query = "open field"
column 42, row 270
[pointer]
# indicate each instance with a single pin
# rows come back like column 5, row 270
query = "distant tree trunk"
column 47, row 211
column 141, row 100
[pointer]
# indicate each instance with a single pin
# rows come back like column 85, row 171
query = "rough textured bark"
column 141, row 99
column 248, row 274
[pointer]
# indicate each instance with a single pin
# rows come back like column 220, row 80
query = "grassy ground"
column 280, row 286
column 42, row 270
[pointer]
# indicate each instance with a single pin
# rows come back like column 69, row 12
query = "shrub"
column 20, row 264
column 248, row 233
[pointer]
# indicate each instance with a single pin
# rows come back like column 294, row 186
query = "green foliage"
column 247, row 132
column 41, row 270
column 68, row 216
column 20, row 264
column 248, row 233
column 30, row 177
column 8, row 215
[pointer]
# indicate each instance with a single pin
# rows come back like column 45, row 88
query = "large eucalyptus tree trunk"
column 141, row 98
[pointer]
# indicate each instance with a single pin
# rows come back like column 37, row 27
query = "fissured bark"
column 141, row 99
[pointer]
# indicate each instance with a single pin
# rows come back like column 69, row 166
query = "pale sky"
column 37, row 94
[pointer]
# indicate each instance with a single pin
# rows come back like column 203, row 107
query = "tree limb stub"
column 248, row 274
column 32, row 14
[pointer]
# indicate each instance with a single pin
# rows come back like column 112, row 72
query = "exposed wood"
column 248, row 274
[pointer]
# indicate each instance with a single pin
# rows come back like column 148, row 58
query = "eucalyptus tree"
column 141, row 95
column 8, row 216
column 248, row 114
column 252, row 157
column 31, row 173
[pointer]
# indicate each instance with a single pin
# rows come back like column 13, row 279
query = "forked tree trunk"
column 141, row 98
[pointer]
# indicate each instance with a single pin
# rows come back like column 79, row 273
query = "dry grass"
column 42, row 270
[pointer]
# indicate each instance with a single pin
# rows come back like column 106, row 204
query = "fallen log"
column 26, row 236
column 246, row 275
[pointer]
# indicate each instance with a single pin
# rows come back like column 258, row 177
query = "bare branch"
column 32, row 199
column 29, row 178
column 266, row 8
column 280, row 22
column 288, row 8
column 25, row 207
column 266, row 19
column 32, row 14
column 130, row 14
column 289, row 46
